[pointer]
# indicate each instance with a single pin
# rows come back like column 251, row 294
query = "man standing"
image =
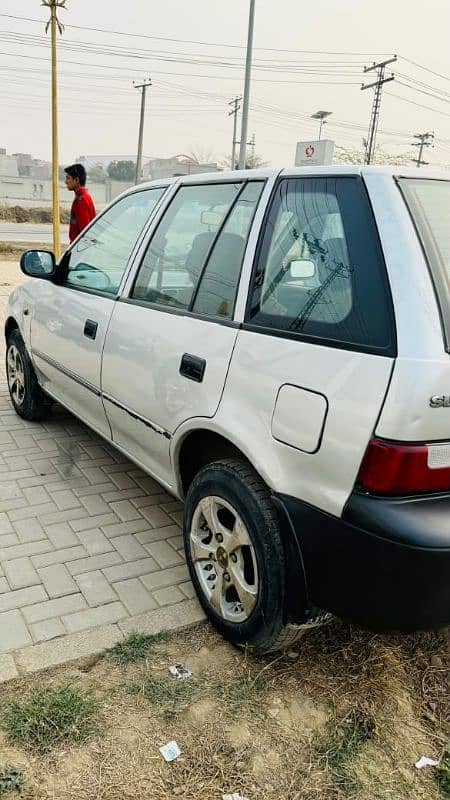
column 83, row 209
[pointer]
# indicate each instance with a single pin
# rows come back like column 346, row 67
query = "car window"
column 99, row 258
column 179, row 248
column 320, row 271
column 219, row 283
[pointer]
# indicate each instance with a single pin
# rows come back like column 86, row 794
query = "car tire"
column 235, row 556
column 27, row 397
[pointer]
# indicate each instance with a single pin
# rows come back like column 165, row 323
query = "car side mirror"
column 38, row 264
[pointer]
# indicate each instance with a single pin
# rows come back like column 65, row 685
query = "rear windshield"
column 429, row 205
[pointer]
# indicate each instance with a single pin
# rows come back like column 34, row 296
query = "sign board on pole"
column 314, row 154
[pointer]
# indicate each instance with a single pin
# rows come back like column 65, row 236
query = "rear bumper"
column 385, row 564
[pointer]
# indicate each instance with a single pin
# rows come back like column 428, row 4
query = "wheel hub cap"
column 224, row 559
column 15, row 374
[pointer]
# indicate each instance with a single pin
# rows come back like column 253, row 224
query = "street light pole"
column 55, row 25
column 248, row 70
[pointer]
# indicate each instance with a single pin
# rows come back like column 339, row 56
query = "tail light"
column 391, row 468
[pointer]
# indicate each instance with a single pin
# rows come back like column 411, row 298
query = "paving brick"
column 36, row 495
column 8, row 669
column 29, row 549
column 63, row 516
column 22, row 597
column 31, row 511
column 94, row 474
column 134, row 569
column 9, row 489
column 123, row 528
column 178, row 517
column 64, row 556
column 65, row 500
column 157, row 534
column 57, row 580
column 164, row 619
column 9, row 540
column 166, row 577
column 10, row 505
column 48, row 629
column 94, row 504
column 29, row 530
column 21, row 573
column 54, row 608
column 147, row 500
column 85, row 491
column 113, row 612
column 95, row 588
column 89, row 522
column 95, row 542
column 156, row 517
column 13, row 631
column 164, row 554
column 187, row 589
column 62, row 650
column 122, row 480
column 147, row 483
column 125, row 510
column 176, row 542
column 114, row 495
column 4, row 585
column 42, row 467
column 129, row 548
column 94, row 562
column 134, row 596
column 62, row 535
column 168, row 596
column 5, row 524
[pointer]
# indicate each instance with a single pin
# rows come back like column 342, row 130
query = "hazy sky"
column 308, row 56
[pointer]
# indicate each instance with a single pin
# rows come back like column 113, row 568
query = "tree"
column 346, row 155
column 97, row 174
column 122, row 170
column 252, row 161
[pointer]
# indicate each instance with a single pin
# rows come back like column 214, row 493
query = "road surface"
column 29, row 232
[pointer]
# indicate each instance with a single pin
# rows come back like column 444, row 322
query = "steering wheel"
column 104, row 279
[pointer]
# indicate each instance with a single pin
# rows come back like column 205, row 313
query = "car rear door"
column 69, row 321
column 172, row 333
column 318, row 337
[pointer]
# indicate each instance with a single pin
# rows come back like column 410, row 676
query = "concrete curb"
column 69, row 648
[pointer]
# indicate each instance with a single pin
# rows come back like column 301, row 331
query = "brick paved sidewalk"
column 90, row 546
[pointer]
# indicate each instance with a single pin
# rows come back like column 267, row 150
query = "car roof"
column 328, row 170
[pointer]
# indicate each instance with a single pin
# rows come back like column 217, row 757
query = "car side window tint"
column 320, row 271
column 99, row 258
column 217, row 291
column 182, row 241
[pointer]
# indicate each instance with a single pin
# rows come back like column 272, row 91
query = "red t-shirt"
column 81, row 213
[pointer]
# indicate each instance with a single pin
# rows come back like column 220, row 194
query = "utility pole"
column 376, row 105
column 55, row 25
column 248, row 71
column 425, row 140
column 143, row 86
column 234, row 112
column 252, row 144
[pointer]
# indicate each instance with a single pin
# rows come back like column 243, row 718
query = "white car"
column 273, row 347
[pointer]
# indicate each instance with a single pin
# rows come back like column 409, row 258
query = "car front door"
column 171, row 334
column 69, row 321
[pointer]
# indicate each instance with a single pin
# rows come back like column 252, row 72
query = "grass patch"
column 170, row 695
column 242, row 695
column 443, row 774
column 135, row 647
column 343, row 746
column 48, row 716
column 35, row 214
column 11, row 780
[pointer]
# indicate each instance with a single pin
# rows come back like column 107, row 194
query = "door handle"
column 90, row 328
column 192, row 367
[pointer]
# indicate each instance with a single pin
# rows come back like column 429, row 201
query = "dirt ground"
column 345, row 715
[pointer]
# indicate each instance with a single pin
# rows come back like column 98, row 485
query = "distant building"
column 8, row 164
column 90, row 162
column 161, row 168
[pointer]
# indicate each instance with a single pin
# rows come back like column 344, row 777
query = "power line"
column 188, row 41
